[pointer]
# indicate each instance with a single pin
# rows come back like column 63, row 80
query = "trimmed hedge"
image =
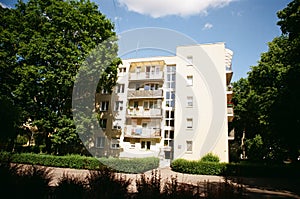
column 235, row 169
column 136, row 165
column 69, row 161
column 198, row 167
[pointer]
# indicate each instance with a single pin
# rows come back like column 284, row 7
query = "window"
column 104, row 91
column 189, row 146
column 120, row 88
column 118, row 105
column 146, row 145
column 138, row 70
column 150, row 104
column 190, row 101
column 151, row 87
column 190, row 80
column 114, row 144
column 122, row 70
column 170, row 122
column 189, row 60
column 189, row 123
column 117, row 124
column 100, row 142
column 102, row 123
column 104, row 105
column 135, row 104
column 170, row 98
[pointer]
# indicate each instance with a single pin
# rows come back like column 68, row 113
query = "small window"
column 117, row 124
column 115, row 144
column 103, row 123
column 118, row 105
column 189, row 146
column 189, row 60
column 100, row 142
column 190, row 101
column 189, row 123
column 190, row 80
column 104, row 105
column 104, row 91
column 120, row 88
column 122, row 70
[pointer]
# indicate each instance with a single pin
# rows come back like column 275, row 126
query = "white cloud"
column 4, row 6
column 207, row 26
column 161, row 8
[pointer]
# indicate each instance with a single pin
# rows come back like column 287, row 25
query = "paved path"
column 254, row 187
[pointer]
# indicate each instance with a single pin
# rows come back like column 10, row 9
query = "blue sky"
column 246, row 26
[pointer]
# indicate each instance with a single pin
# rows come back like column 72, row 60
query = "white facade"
column 174, row 106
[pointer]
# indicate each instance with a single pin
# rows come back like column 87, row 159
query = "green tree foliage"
column 254, row 148
column 267, row 102
column 43, row 44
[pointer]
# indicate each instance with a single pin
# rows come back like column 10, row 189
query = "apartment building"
column 169, row 107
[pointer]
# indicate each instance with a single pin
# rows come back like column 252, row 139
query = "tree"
column 43, row 44
column 274, row 86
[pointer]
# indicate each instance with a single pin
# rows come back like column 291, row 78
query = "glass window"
column 100, row 142
column 189, row 146
column 115, row 143
column 189, row 123
column 189, row 101
column 189, row 60
column 102, row 123
column 104, row 105
column 120, row 88
column 190, row 80
column 118, row 105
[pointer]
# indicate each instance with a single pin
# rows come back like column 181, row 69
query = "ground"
column 254, row 187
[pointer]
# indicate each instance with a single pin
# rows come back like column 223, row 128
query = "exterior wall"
column 209, row 131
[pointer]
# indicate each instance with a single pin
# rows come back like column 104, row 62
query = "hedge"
column 137, row 165
column 133, row 165
column 235, row 169
column 198, row 167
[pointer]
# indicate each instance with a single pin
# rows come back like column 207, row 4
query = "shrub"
column 210, row 157
column 198, row 167
column 133, row 165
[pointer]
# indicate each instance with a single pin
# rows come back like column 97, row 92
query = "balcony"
column 136, row 94
column 142, row 132
column 146, row 76
column 142, row 113
column 229, row 93
column 229, row 74
column 230, row 112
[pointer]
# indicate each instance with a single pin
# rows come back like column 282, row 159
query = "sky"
column 245, row 26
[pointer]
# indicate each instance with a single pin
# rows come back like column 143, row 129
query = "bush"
column 135, row 165
column 198, row 167
column 210, row 157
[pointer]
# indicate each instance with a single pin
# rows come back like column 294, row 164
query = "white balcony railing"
column 141, row 112
column 142, row 132
column 146, row 75
column 144, row 93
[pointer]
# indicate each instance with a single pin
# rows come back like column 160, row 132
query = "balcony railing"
column 140, row 132
column 146, row 75
column 145, row 93
column 141, row 112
